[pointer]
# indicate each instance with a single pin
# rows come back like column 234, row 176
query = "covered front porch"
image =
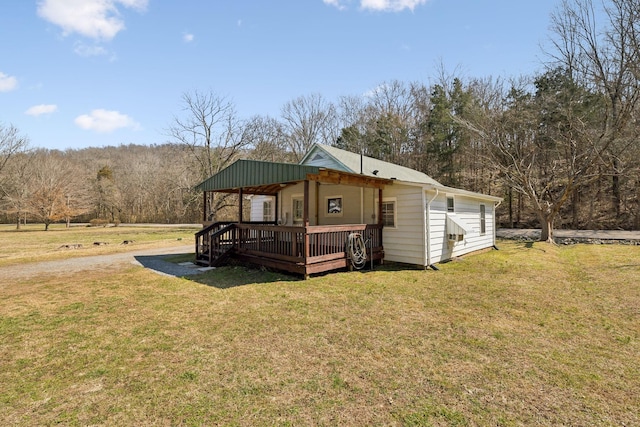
column 323, row 219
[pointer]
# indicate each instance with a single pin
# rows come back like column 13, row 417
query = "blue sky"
column 81, row 73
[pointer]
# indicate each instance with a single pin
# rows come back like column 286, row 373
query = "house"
column 336, row 208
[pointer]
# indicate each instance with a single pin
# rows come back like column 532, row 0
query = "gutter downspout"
column 495, row 206
column 427, row 234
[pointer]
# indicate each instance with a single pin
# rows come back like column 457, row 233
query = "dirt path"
column 150, row 258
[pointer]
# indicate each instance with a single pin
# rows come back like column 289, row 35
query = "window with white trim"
column 483, row 219
column 389, row 213
column 451, row 206
column 267, row 210
column 297, row 207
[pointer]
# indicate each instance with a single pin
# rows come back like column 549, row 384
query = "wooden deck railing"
column 299, row 246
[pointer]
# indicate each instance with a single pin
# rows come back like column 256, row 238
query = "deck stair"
column 215, row 244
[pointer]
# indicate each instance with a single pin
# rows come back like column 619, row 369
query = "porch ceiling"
column 257, row 177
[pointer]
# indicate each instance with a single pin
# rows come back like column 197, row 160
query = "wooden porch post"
column 305, row 213
column 317, row 213
column 306, row 222
column 240, row 206
column 380, row 215
column 204, row 207
column 379, row 206
column 276, row 213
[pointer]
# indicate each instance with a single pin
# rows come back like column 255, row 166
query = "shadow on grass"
column 161, row 264
column 232, row 276
column 240, row 275
column 224, row 277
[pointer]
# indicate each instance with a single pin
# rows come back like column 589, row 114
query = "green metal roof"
column 254, row 173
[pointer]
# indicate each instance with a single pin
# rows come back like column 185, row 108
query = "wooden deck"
column 301, row 250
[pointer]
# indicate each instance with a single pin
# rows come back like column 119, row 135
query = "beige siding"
column 351, row 206
column 286, row 203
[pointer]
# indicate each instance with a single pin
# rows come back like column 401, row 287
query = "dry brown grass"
column 529, row 335
column 32, row 243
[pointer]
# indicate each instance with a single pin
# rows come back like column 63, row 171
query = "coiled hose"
column 356, row 250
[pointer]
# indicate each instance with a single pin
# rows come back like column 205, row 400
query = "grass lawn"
column 32, row 243
column 528, row 335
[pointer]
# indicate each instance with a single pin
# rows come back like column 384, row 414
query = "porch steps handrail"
column 209, row 249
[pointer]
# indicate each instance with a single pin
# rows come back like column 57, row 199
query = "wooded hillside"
column 562, row 146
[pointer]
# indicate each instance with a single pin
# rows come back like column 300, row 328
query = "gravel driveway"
column 149, row 258
column 575, row 235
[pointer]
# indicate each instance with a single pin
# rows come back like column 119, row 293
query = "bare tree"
column 542, row 142
column 214, row 136
column 389, row 121
column 15, row 190
column 210, row 130
column 267, row 139
column 58, row 190
column 11, row 142
column 605, row 56
column 308, row 120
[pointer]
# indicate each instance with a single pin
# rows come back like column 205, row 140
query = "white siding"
column 438, row 227
column 256, row 213
column 405, row 242
column 468, row 210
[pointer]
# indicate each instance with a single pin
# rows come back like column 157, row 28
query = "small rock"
column 71, row 246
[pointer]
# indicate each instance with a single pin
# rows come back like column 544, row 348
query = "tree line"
column 561, row 146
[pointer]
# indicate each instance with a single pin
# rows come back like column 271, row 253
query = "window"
column 267, row 211
column 451, row 207
column 483, row 219
column 298, row 209
column 389, row 213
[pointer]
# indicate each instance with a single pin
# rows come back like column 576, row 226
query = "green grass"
column 535, row 335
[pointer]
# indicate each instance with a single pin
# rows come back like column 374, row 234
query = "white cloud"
column 188, row 38
column 105, row 121
column 335, row 3
column 83, row 49
column 379, row 5
column 97, row 19
column 38, row 110
column 7, row 83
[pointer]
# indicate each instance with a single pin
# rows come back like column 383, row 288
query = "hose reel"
column 357, row 250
